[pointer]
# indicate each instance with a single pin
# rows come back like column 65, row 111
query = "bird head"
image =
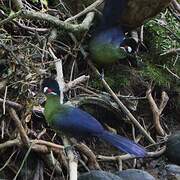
column 130, row 45
column 50, row 86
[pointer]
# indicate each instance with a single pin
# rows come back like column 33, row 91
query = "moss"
column 154, row 73
column 159, row 40
column 116, row 78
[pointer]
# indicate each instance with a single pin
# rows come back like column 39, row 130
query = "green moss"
column 163, row 33
column 156, row 74
column 159, row 40
column 115, row 78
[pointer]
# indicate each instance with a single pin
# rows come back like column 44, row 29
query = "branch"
column 11, row 17
column 92, row 162
column 12, row 104
column 157, row 111
column 88, row 9
column 73, row 161
column 19, row 126
column 175, row 75
column 38, row 145
column 75, row 82
column 128, row 156
column 171, row 51
column 32, row 15
column 176, row 5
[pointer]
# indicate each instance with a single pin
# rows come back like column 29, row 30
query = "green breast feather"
column 103, row 54
column 53, row 108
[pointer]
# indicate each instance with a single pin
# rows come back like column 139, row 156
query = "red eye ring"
column 47, row 90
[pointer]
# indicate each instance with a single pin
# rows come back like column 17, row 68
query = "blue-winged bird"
column 109, row 44
column 78, row 123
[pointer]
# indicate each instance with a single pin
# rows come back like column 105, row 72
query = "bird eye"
column 45, row 89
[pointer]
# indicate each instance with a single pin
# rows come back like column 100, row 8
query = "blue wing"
column 114, row 36
column 112, row 12
column 78, row 123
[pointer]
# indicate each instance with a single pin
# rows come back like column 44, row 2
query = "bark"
column 138, row 11
column 135, row 14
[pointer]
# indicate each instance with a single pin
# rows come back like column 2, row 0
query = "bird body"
column 105, row 46
column 78, row 123
column 108, row 45
column 69, row 119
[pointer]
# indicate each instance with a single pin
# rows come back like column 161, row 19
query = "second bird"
column 108, row 44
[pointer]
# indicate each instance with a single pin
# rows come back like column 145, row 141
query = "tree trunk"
column 136, row 12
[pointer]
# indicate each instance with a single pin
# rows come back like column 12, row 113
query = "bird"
column 73, row 121
column 109, row 44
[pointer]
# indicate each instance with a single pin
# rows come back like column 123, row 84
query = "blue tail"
column 123, row 144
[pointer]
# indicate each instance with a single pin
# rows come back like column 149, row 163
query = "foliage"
column 156, row 74
column 116, row 78
column 161, row 34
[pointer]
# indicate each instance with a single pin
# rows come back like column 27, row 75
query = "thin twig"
column 88, row 9
column 12, row 104
column 171, row 51
column 11, row 17
column 19, row 126
column 175, row 75
column 32, row 15
column 157, row 111
column 4, row 101
column 24, row 160
column 75, row 82
column 127, row 156
column 8, row 161
column 92, row 162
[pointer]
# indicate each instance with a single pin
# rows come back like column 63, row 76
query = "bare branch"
column 32, row 15
column 88, row 9
column 157, row 111
column 19, row 126
column 128, row 156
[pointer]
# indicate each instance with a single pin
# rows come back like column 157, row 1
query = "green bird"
column 80, row 124
column 109, row 44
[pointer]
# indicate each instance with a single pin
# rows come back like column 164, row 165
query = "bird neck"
column 53, row 107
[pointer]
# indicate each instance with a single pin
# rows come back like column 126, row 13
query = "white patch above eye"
column 45, row 89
